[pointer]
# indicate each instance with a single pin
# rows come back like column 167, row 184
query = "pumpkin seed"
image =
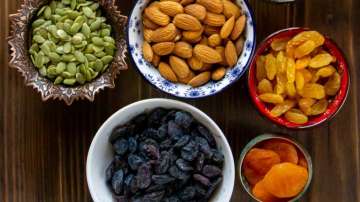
column 38, row 39
column 58, row 80
column 107, row 59
column 60, row 67
column 69, row 82
column 80, row 78
column 71, row 68
column 90, row 57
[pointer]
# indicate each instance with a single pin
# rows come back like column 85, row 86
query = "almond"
column 196, row 10
column 187, row 22
column 154, row 4
column 166, row 72
column 206, row 67
column 171, row 0
column 163, row 48
column 148, row 34
column 147, row 52
column 186, row 2
column 200, row 79
column 221, row 51
column 230, row 54
column 227, row 28
column 163, row 34
column 240, row 45
column 215, row 6
column 210, row 30
column 195, row 63
column 183, row 49
column 192, row 35
column 149, row 24
column 158, row 17
column 179, row 66
column 171, row 8
column 188, row 78
column 207, row 54
column 215, row 20
column 156, row 60
column 218, row 73
column 231, row 9
column 214, row 40
column 239, row 27
column 195, row 41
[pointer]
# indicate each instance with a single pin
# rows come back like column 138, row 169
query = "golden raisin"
column 296, row 116
column 271, row 98
column 302, row 63
column 304, row 49
column 305, row 105
column 319, row 107
column 280, row 109
column 290, row 89
column 290, row 70
column 332, row 86
column 299, row 80
column 320, row 60
column 281, row 62
column 260, row 68
column 279, row 44
column 313, row 90
column 265, row 86
column 270, row 66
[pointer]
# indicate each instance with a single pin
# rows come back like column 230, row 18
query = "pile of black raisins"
column 164, row 156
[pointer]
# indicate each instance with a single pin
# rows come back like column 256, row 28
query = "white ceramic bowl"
column 135, row 40
column 100, row 153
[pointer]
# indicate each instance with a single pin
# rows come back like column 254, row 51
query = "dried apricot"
column 261, row 160
column 302, row 161
column 313, row 90
column 319, row 107
column 302, row 63
column 270, row 66
column 280, row 109
column 262, row 194
column 304, row 49
column 290, row 70
column 285, row 180
column 284, row 149
column 265, row 86
column 271, row 98
column 260, row 68
column 332, row 86
column 251, row 175
column 279, row 44
column 296, row 116
column 320, row 60
column 305, row 105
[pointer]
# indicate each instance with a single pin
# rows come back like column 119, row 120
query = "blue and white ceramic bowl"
column 150, row 73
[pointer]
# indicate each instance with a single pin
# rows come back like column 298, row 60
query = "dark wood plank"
column 44, row 145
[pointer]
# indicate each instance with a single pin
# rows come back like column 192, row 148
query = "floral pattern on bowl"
column 150, row 73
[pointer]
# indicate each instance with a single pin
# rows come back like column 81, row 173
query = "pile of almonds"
column 193, row 42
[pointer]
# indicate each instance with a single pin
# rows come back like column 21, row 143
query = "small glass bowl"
column 261, row 138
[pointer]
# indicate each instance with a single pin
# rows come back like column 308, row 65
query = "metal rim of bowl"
column 268, row 136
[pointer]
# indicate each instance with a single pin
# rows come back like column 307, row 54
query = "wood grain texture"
column 44, row 145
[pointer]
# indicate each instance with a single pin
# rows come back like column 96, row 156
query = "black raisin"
column 162, row 179
column 171, row 199
column 117, row 182
column 177, row 173
column 163, row 163
column 190, row 151
column 211, row 171
column 200, row 162
column 152, row 151
column 174, row 131
column 184, row 165
column 207, row 135
column 121, row 131
column 182, row 141
column 201, row 179
column 121, row 146
column 109, row 172
column 154, row 196
column 143, row 176
column 217, row 157
column 187, row 193
column 156, row 116
column 135, row 161
column 212, row 187
column 132, row 145
column 183, row 119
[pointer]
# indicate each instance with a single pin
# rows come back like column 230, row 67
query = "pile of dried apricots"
column 276, row 170
column 297, row 77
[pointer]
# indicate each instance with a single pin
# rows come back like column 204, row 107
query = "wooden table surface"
column 43, row 146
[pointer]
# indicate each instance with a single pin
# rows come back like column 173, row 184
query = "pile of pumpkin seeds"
column 71, row 41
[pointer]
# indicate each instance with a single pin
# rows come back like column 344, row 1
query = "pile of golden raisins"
column 298, row 77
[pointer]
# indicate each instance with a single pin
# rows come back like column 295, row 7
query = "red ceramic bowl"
column 336, row 102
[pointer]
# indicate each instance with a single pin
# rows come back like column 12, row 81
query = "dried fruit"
column 207, row 54
column 271, row 98
column 260, row 192
column 320, row 60
column 200, row 79
column 261, row 160
column 265, row 86
column 187, row 22
column 285, row 180
column 304, row 49
column 319, row 107
column 166, row 71
column 230, row 54
column 302, row 161
column 279, row 44
column 284, row 149
column 305, row 105
column 270, row 66
column 163, row 48
column 183, row 49
column 299, row 80
column 251, row 175
column 238, row 27
column 281, row 61
column 313, row 90
column 179, row 66
column 196, row 10
column 218, row 74
column 227, row 28
column 215, row 6
column 296, row 116
column 171, row 8
column 148, row 52
column 302, row 63
column 260, row 68
column 282, row 108
column 155, row 15
column 290, row 70
column 332, row 86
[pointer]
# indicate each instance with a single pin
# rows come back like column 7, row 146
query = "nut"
column 230, row 9
column 196, row 10
column 213, row 19
column 158, row 17
column 147, row 52
column 215, row 6
column 214, row 40
column 195, row 63
column 183, row 49
column 187, row 22
column 200, row 79
column 179, row 66
column 207, row 54
column 230, row 54
column 227, row 28
column 163, row 48
column 171, row 8
column 239, row 27
column 163, row 34
column 166, row 72
column 218, row 73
